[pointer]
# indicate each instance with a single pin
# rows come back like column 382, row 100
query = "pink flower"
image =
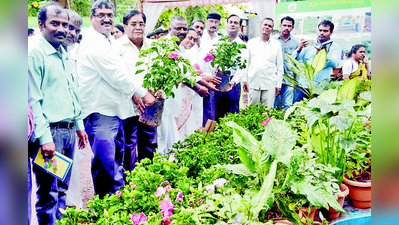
column 146, row 181
column 367, row 121
column 119, row 193
column 164, row 182
column 198, row 69
column 174, row 55
column 264, row 123
column 179, row 197
column 167, row 188
column 160, row 191
column 172, row 157
column 265, row 113
column 219, row 182
column 166, row 207
column 210, row 188
column 138, row 219
column 368, row 128
column 134, row 186
column 209, row 57
column 201, row 129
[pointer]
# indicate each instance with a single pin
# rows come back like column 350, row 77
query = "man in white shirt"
column 229, row 101
column 104, row 84
column 139, row 137
column 265, row 66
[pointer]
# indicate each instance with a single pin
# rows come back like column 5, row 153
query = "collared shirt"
column 104, row 78
column 53, row 89
column 237, row 73
column 130, row 54
column 288, row 46
column 265, row 64
column 308, row 53
column 206, row 46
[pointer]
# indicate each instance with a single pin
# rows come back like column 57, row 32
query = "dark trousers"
column 225, row 102
column 140, row 141
column 209, row 112
column 51, row 192
column 106, row 138
column 29, row 191
column 299, row 94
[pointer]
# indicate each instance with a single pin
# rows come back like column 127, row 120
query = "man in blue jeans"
column 55, row 107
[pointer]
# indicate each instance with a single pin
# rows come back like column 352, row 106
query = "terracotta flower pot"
column 359, row 193
column 333, row 214
column 306, row 213
column 225, row 80
column 152, row 115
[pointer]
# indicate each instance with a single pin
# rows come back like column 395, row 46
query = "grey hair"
column 197, row 20
column 98, row 4
column 177, row 18
column 74, row 16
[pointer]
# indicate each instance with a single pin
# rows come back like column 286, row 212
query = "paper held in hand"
column 58, row 166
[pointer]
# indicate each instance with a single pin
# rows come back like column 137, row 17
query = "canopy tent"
column 264, row 8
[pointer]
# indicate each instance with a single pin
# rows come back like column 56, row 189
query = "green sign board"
column 32, row 22
column 320, row 5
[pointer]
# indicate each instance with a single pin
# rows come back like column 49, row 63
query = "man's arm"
column 334, row 56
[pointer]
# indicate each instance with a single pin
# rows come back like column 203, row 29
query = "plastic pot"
column 359, row 193
column 224, row 86
column 152, row 115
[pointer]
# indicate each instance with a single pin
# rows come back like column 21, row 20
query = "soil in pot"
column 333, row 214
column 225, row 80
column 152, row 115
column 359, row 193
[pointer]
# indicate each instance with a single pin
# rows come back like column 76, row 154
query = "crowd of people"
column 87, row 93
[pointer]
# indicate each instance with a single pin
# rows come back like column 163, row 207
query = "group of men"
column 91, row 90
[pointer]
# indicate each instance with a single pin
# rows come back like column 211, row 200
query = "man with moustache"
column 265, row 66
column 306, row 53
column 55, row 107
column 229, row 101
column 139, row 137
column 288, row 44
column 105, row 81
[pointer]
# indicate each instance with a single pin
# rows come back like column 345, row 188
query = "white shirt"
column 205, row 47
column 349, row 66
column 265, row 64
column 104, row 79
column 239, row 73
column 130, row 54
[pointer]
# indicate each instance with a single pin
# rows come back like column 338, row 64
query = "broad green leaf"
column 290, row 110
column 309, row 71
column 139, row 71
column 279, row 139
column 330, row 95
column 348, row 90
column 259, row 200
column 342, row 122
column 347, row 145
column 319, row 61
column 139, row 63
column 366, row 96
column 239, row 169
column 291, row 80
column 298, row 65
column 312, row 116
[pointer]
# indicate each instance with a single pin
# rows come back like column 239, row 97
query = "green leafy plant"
column 227, row 54
column 166, row 68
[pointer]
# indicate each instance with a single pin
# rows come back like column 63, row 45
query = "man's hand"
column 302, row 44
column 139, row 103
column 48, row 150
column 212, row 87
column 83, row 139
column 148, row 99
column 203, row 91
column 231, row 85
column 212, row 79
column 278, row 91
column 245, row 87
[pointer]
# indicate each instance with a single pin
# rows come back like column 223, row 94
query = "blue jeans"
column 285, row 99
column 225, row 102
column 51, row 192
column 299, row 94
column 29, row 191
column 140, row 139
column 106, row 138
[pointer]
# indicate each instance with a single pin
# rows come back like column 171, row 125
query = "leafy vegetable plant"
column 227, row 54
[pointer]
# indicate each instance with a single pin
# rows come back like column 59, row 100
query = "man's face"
column 190, row 40
column 73, row 32
column 199, row 28
column 212, row 25
column 266, row 27
column 55, row 28
column 135, row 27
column 103, row 20
column 286, row 27
column 360, row 54
column 116, row 33
column 324, row 33
column 160, row 35
column 178, row 29
column 233, row 25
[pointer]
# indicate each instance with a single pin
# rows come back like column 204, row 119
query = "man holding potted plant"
column 106, row 86
column 265, row 69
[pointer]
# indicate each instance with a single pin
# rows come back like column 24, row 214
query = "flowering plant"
column 227, row 55
column 165, row 68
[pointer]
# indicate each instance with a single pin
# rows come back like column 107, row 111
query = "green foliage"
column 165, row 72
column 82, row 7
column 228, row 54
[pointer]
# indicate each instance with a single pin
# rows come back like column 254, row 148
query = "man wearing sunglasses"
column 107, row 86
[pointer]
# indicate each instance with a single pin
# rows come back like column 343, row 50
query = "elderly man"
column 229, row 101
column 306, row 53
column 57, row 116
column 265, row 66
column 288, row 44
column 104, row 84
column 139, row 137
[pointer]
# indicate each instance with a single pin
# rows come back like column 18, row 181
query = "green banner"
column 319, row 5
column 32, row 22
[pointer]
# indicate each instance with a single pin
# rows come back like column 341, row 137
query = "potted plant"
column 166, row 69
column 226, row 56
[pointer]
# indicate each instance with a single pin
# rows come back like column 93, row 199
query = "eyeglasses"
column 102, row 15
column 135, row 24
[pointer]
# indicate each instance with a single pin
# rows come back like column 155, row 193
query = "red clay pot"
column 359, row 193
column 333, row 214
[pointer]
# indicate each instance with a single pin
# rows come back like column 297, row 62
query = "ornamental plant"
column 227, row 55
column 166, row 68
